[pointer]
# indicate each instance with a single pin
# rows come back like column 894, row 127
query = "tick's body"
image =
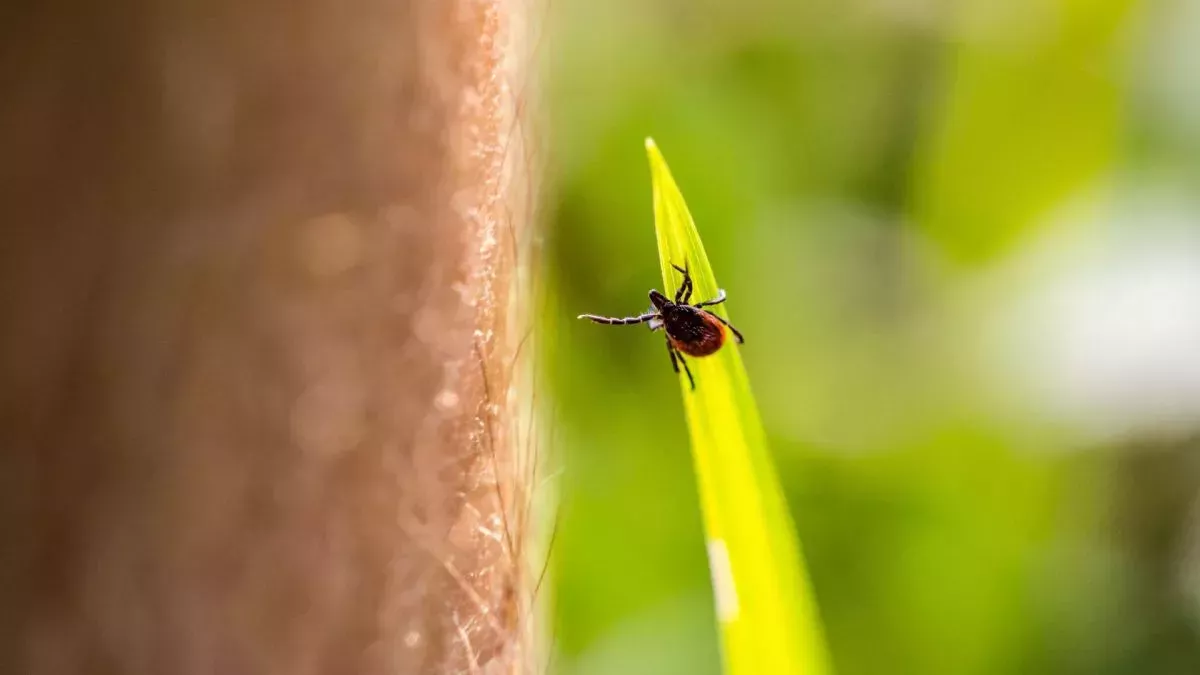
column 690, row 328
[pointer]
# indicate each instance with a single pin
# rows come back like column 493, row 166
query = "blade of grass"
column 766, row 615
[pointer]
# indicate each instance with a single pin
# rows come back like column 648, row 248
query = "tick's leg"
column 736, row 334
column 685, row 289
column 677, row 359
column 715, row 301
column 687, row 370
column 614, row 321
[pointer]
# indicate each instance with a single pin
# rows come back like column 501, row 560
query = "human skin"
column 257, row 341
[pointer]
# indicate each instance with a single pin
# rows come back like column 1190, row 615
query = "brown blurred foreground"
column 255, row 264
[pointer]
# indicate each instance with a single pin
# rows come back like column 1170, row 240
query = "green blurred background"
column 963, row 242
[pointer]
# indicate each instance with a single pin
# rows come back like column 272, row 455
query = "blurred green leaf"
column 767, row 617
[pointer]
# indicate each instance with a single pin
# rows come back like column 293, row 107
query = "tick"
column 690, row 328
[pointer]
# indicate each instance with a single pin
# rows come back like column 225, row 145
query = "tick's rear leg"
column 677, row 359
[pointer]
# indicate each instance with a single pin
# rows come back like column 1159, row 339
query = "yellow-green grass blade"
column 767, row 618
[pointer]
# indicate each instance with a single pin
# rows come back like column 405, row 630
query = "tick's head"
column 659, row 300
